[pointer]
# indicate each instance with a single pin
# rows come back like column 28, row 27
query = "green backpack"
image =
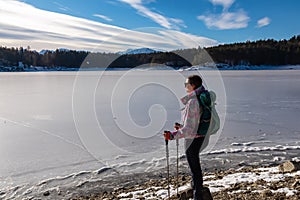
column 209, row 122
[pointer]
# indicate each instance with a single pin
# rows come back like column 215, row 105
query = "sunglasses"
column 185, row 84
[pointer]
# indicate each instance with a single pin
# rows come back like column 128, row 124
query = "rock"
column 47, row 193
column 140, row 197
column 296, row 183
column 289, row 166
column 266, row 193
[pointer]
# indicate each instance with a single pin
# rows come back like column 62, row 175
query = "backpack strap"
column 201, row 100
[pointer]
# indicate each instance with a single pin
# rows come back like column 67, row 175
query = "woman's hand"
column 172, row 135
column 168, row 135
column 177, row 126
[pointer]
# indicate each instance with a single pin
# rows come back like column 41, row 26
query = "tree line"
column 261, row 52
column 13, row 56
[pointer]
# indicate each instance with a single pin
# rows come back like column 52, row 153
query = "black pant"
column 192, row 150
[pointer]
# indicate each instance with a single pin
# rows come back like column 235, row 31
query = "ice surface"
column 57, row 124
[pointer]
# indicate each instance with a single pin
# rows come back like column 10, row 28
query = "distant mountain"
column 64, row 49
column 44, row 51
column 138, row 51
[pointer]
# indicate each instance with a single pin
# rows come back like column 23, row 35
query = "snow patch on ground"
column 270, row 174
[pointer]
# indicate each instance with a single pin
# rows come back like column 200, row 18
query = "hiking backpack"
column 209, row 121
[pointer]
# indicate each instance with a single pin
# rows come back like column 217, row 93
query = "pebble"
column 47, row 193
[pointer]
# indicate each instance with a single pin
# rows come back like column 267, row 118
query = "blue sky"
column 114, row 25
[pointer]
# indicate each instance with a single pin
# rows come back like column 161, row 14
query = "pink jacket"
column 191, row 114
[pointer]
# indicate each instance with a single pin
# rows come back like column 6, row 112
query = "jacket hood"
column 191, row 95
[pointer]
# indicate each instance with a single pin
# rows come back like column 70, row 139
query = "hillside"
column 262, row 52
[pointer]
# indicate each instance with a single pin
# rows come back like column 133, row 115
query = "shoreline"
column 253, row 182
column 263, row 182
column 164, row 68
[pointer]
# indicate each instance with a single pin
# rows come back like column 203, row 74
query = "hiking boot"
column 206, row 195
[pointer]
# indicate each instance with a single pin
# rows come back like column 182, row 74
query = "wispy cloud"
column 24, row 25
column 169, row 23
column 225, row 20
column 263, row 22
column 62, row 7
column 103, row 17
column 225, row 3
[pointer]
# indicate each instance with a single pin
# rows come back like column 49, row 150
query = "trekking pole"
column 168, row 170
column 177, row 165
column 177, row 125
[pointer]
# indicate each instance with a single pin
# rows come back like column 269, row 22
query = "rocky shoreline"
column 247, row 182
column 279, row 182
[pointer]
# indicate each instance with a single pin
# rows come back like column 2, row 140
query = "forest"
column 261, row 52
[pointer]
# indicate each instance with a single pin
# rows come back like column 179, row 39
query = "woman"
column 190, row 118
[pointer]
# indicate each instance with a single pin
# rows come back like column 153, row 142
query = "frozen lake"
column 54, row 124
